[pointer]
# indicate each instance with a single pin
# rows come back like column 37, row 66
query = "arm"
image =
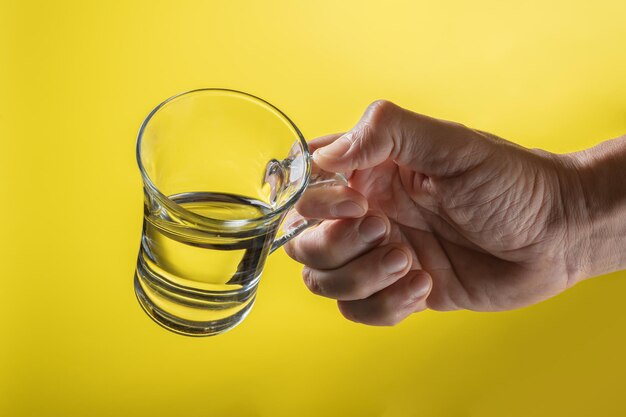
column 601, row 170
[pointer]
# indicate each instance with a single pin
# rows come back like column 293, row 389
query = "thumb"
column 389, row 132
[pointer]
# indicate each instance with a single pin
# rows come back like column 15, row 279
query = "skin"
column 481, row 223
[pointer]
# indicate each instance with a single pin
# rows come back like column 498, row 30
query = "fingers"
column 392, row 304
column 361, row 277
column 323, row 141
column 333, row 244
column 332, row 202
column 386, row 131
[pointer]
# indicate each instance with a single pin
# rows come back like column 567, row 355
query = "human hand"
column 438, row 216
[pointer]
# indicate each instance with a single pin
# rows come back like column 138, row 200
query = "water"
column 196, row 282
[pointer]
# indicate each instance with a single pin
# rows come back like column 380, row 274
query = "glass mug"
column 220, row 169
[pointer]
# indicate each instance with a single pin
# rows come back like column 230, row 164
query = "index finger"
column 322, row 141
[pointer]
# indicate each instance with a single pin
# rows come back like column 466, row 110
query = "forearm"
column 601, row 171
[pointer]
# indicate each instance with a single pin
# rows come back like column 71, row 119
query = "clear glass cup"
column 221, row 168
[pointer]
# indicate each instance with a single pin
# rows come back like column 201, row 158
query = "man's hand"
column 440, row 216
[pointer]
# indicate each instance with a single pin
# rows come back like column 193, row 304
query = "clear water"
column 195, row 282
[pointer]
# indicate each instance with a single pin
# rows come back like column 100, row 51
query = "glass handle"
column 319, row 179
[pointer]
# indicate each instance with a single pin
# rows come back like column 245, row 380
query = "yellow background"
column 77, row 79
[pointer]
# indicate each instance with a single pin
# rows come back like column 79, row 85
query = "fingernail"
column 347, row 209
column 372, row 229
column 336, row 149
column 420, row 285
column 395, row 261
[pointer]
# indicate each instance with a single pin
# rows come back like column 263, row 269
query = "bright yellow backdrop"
column 76, row 80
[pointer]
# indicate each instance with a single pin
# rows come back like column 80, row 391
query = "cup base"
column 188, row 327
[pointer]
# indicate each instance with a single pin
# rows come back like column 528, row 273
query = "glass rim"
column 209, row 221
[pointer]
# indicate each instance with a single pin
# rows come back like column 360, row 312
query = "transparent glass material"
column 221, row 168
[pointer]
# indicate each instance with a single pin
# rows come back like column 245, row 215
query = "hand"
column 438, row 216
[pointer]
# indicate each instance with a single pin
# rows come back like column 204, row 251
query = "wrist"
column 596, row 207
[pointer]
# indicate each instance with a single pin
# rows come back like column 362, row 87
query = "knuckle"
column 392, row 320
column 378, row 112
column 310, row 244
column 311, row 281
column 355, row 288
column 389, row 314
column 312, row 204
column 328, row 234
column 380, row 106
column 347, row 312
column 340, row 231
column 324, row 253
column 358, row 136
column 326, row 246
column 460, row 126
column 297, row 249
column 347, row 287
